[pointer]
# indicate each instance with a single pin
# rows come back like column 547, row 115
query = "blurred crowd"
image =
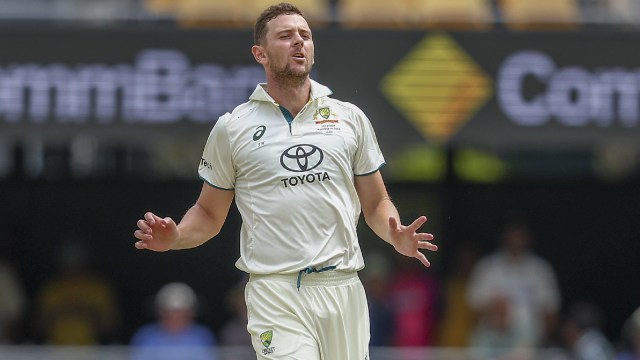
column 503, row 303
column 467, row 14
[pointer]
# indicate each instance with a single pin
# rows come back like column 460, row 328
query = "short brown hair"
column 270, row 13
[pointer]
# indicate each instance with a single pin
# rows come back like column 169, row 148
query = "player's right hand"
column 155, row 233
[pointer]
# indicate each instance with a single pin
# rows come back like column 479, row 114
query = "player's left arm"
column 382, row 217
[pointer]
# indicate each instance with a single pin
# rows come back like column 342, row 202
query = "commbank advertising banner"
column 497, row 90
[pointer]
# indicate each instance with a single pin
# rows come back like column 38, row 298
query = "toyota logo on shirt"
column 302, row 157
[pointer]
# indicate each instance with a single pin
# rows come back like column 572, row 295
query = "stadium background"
column 84, row 158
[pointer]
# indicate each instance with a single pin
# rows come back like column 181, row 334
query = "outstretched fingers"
column 427, row 246
column 417, row 223
column 424, row 236
column 414, row 241
column 422, row 258
column 423, row 239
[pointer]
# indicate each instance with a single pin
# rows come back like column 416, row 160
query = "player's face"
column 289, row 47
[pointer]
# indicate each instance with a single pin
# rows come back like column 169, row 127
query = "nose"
column 297, row 39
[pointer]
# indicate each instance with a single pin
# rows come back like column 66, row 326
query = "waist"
column 325, row 278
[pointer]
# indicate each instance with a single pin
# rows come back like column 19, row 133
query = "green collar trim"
column 287, row 114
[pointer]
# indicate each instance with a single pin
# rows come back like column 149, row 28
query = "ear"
column 259, row 54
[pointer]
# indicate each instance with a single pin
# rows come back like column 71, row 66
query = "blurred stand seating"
column 625, row 13
column 540, row 14
column 458, row 14
column 455, row 14
column 87, row 12
column 229, row 13
column 468, row 15
column 519, row 15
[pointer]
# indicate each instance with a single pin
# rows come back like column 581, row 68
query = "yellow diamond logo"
column 437, row 87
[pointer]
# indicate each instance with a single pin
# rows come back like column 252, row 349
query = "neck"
column 515, row 255
column 292, row 95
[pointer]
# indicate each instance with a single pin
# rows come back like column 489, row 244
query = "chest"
column 271, row 143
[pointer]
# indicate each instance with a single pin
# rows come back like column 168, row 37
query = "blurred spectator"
column 77, row 307
column 622, row 12
column 415, row 297
column 176, row 335
column 458, row 320
column 515, row 294
column 13, row 300
column 234, row 332
column 582, row 335
column 496, row 336
column 631, row 338
column 375, row 279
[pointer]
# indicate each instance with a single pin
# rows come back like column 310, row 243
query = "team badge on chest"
column 326, row 121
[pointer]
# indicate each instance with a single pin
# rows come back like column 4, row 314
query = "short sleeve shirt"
column 529, row 285
column 293, row 179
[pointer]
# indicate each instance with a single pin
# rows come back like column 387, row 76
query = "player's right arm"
column 201, row 222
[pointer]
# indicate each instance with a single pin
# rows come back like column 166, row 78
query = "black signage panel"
column 496, row 90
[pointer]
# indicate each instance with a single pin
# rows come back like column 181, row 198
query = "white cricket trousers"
column 325, row 318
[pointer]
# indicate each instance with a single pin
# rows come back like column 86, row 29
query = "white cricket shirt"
column 293, row 180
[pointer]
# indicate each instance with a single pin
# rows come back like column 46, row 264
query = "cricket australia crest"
column 266, row 338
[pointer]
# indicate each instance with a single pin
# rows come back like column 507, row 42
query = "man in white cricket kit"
column 302, row 166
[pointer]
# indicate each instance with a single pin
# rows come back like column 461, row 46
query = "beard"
column 286, row 75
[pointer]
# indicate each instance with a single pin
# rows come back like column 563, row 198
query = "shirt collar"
column 317, row 91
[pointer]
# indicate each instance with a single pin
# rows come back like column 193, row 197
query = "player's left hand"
column 408, row 242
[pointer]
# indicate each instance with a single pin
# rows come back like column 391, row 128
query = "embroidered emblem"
column 324, row 112
column 266, row 338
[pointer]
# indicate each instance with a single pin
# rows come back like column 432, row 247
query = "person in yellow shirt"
column 458, row 320
column 77, row 307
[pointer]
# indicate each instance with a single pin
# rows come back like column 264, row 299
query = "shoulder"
column 490, row 263
column 343, row 106
column 144, row 334
column 492, row 259
column 240, row 117
column 204, row 333
column 323, row 94
column 348, row 112
column 230, row 120
column 538, row 261
column 245, row 109
column 239, row 111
